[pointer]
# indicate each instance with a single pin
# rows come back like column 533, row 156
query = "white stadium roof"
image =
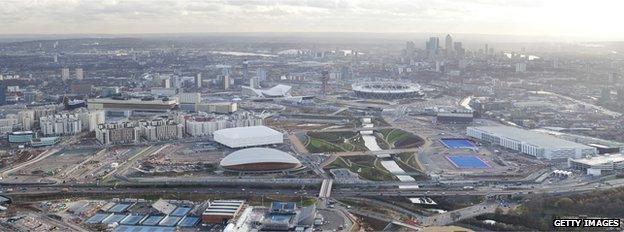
column 258, row 155
column 248, row 136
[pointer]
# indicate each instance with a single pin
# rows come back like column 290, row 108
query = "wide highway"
column 58, row 191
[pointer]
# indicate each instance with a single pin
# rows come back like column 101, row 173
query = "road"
column 382, row 217
column 463, row 213
column 121, row 170
column 586, row 104
column 69, row 171
column 40, row 157
column 299, row 147
column 293, row 189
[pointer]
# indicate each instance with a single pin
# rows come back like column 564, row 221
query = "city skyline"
column 311, row 115
column 597, row 21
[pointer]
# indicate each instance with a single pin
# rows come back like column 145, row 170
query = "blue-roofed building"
column 97, row 218
column 128, row 228
column 118, row 208
column 20, row 136
column 139, row 216
column 283, row 207
column 282, row 216
column 132, row 219
column 152, row 220
column 170, row 221
column 188, row 221
column 285, row 216
column 114, row 218
column 180, row 211
column 5, row 200
column 44, row 141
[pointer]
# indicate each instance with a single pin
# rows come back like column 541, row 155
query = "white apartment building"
column 207, row 124
column 161, row 129
column 117, row 133
column 71, row 123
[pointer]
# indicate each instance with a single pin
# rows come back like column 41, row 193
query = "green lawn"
column 318, row 146
column 319, row 142
column 398, row 138
column 364, row 166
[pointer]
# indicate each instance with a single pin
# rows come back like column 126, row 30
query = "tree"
column 498, row 211
column 564, row 203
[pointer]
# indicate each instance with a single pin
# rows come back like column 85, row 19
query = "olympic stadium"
column 386, row 90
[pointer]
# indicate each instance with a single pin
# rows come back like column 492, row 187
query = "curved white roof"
column 258, row 155
column 277, row 91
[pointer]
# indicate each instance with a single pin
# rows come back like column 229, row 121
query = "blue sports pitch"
column 467, row 161
column 457, row 143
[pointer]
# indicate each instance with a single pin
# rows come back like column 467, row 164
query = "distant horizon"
column 594, row 20
column 388, row 35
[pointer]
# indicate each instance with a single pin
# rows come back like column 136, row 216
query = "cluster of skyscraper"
column 451, row 49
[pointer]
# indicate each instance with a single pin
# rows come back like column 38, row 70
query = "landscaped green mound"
column 347, row 141
column 341, row 141
column 367, row 167
column 399, row 139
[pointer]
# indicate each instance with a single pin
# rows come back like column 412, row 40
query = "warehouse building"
column 454, row 118
column 531, row 143
column 599, row 165
column 248, row 136
column 127, row 106
column 221, row 211
column 20, row 136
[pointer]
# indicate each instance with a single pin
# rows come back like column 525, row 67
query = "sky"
column 600, row 19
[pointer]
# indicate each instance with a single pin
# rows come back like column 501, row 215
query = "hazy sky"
column 587, row 18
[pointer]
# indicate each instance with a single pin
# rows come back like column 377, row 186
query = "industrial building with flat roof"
column 598, row 165
column 454, row 118
column 220, row 211
column 110, row 104
column 533, row 143
column 20, row 136
column 248, row 136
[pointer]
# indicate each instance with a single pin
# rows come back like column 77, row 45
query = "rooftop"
column 258, row 155
column 132, row 101
column 531, row 137
column 217, row 207
column 603, row 159
column 248, row 132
